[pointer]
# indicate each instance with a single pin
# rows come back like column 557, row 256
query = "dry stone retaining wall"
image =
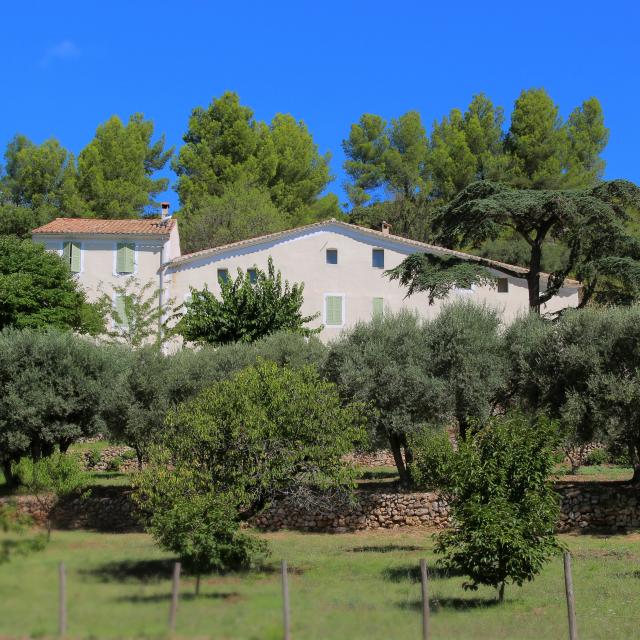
column 584, row 506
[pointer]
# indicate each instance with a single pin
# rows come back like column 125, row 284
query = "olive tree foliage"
column 150, row 384
column 385, row 363
column 52, row 392
column 466, row 354
column 502, row 504
column 246, row 310
column 418, row 374
column 266, row 433
column 583, row 370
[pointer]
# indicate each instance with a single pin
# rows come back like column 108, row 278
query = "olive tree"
column 466, row 355
column 267, row 432
column 385, row 363
column 52, row 389
column 582, row 369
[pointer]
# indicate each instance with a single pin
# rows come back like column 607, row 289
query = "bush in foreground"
column 503, row 507
column 266, row 433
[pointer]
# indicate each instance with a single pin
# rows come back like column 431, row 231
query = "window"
column 503, row 285
column 71, row 255
column 332, row 256
column 223, row 275
column 120, row 319
column 125, row 257
column 333, row 311
column 377, row 307
column 377, row 258
column 253, row 275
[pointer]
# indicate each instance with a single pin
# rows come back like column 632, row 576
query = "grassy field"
column 345, row 586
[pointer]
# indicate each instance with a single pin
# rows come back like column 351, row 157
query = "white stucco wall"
column 301, row 257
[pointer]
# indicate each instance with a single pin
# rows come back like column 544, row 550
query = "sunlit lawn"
column 342, row 586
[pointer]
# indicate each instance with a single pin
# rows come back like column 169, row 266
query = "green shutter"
column 75, row 257
column 378, row 307
column 334, row 310
column 121, row 314
column 125, row 257
column 66, row 252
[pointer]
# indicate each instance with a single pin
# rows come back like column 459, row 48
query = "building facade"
column 341, row 265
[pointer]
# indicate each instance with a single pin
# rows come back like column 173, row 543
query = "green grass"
column 342, row 586
column 598, row 472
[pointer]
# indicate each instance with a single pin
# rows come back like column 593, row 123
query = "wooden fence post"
column 175, row 588
column 285, row 599
column 425, row 599
column 62, row 601
column 571, row 602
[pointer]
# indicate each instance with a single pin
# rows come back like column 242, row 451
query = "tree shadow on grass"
column 165, row 597
column 412, row 573
column 455, row 604
column 389, row 548
column 145, row 571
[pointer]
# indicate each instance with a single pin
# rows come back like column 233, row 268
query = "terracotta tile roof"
column 430, row 248
column 92, row 226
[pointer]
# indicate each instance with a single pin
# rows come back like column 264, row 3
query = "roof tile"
column 138, row 226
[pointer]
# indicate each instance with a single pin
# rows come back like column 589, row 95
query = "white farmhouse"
column 341, row 265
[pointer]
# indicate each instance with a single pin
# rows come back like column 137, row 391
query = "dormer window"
column 332, row 256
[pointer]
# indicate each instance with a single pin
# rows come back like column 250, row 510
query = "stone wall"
column 584, row 506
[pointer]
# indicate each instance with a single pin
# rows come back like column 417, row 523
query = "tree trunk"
column 139, row 457
column 197, row 585
column 634, row 455
column 8, row 474
column 533, row 277
column 396, row 450
column 463, row 427
column 501, row 592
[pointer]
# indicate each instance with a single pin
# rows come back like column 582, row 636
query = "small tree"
column 51, row 479
column 137, row 317
column 385, row 363
column 248, row 309
column 267, row 433
column 13, row 521
column 503, row 507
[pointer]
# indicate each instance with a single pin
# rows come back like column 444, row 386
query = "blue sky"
column 68, row 66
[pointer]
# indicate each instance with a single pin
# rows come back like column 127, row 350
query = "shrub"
column 596, row 457
column 248, row 309
column 115, row 464
column 267, row 432
column 503, row 506
column 93, row 457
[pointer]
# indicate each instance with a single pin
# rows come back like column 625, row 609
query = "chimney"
column 386, row 228
column 165, row 210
